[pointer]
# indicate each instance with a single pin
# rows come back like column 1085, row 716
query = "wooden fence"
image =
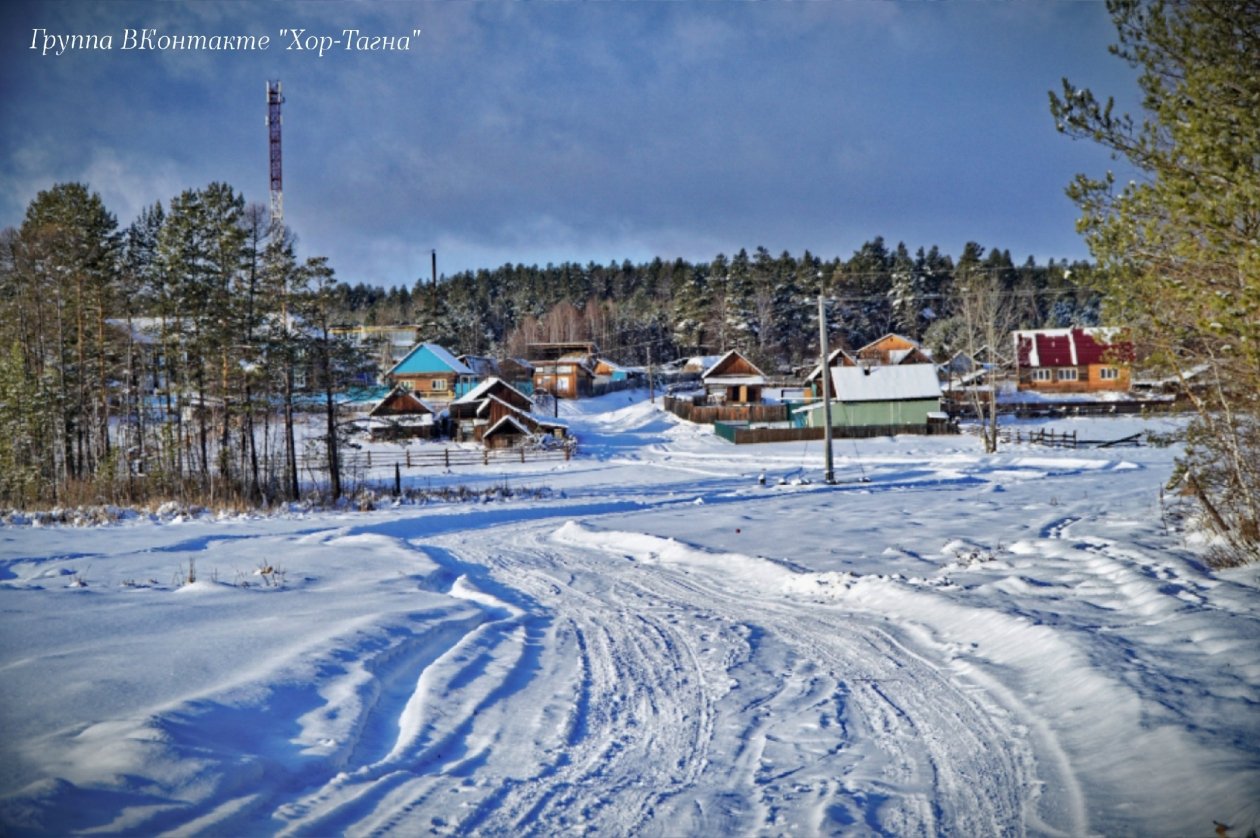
column 445, row 457
column 746, row 436
column 694, row 411
column 962, row 409
column 1039, row 436
column 1066, row 439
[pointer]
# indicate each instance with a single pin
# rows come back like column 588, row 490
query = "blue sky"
column 548, row 132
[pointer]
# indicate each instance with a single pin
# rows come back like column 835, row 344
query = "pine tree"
column 1178, row 247
column 67, row 258
column 905, row 293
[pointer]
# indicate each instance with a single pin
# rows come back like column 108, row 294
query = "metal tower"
column 274, row 101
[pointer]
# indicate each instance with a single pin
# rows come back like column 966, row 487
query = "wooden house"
column 483, row 366
column 813, row 381
column 433, row 373
column 402, row 415
column 564, row 370
column 893, row 349
column 606, row 370
column 1072, row 360
column 879, row 395
column 733, row 380
column 514, row 429
column 519, row 373
column 484, row 405
column 386, row 344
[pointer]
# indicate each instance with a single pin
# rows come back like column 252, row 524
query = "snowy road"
column 959, row 645
column 617, row 692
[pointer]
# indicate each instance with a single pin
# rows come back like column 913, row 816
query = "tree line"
column 761, row 304
column 167, row 359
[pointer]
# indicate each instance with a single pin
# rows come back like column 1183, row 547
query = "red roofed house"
column 1072, row 360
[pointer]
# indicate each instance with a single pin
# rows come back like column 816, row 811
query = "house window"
column 1108, row 373
column 438, row 384
column 1041, row 375
column 562, row 385
column 1067, row 375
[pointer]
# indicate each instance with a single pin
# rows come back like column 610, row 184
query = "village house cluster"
column 891, row 385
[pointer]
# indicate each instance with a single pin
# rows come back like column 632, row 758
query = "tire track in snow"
column 701, row 705
column 612, row 691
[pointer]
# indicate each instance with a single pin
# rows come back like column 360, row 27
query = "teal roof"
column 429, row 357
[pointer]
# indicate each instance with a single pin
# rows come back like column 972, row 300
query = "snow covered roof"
column 481, row 390
column 507, row 421
column 885, row 383
column 837, row 355
column 699, row 363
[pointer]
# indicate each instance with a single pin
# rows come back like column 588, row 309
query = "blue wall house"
column 433, row 374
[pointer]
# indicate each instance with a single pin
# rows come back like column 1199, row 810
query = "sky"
column 552, row 132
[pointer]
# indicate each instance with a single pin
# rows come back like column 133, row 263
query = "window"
column 438, row 384
column 1041, row 375
column 1067, row 375
column 562, row 385
column 1108, row 373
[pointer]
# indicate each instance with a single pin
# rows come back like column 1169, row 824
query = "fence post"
column 446, row 455
column 369, row 465
column 485, row 456
column 522, row 453
column 408, row 459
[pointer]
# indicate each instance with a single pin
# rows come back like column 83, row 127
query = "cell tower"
column 274, row 101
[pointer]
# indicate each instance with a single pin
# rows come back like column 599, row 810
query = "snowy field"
column 652, row 642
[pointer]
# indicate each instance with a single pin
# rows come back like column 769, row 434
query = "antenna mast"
column 274, row 101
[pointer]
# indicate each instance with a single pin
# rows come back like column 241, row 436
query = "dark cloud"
column 585, row 132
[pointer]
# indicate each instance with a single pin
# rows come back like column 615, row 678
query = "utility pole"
column 829, row 475
column 651, row 387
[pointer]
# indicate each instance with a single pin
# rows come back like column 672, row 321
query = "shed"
column 514, row 428
column 401, row 414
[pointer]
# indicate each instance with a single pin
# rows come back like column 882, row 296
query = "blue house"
column 433, row 374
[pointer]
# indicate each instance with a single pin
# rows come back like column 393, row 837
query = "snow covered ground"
column 661, row 644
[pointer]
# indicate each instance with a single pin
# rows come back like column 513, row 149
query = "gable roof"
column 486, row 387
column 838, row 357
column 401, row 402
column 480, row 365
column 733, row 358
column 526, row 423
column 508, row 422
column 896, row 349
column 885, row 383
column 1069, row 347
column 429, row 357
